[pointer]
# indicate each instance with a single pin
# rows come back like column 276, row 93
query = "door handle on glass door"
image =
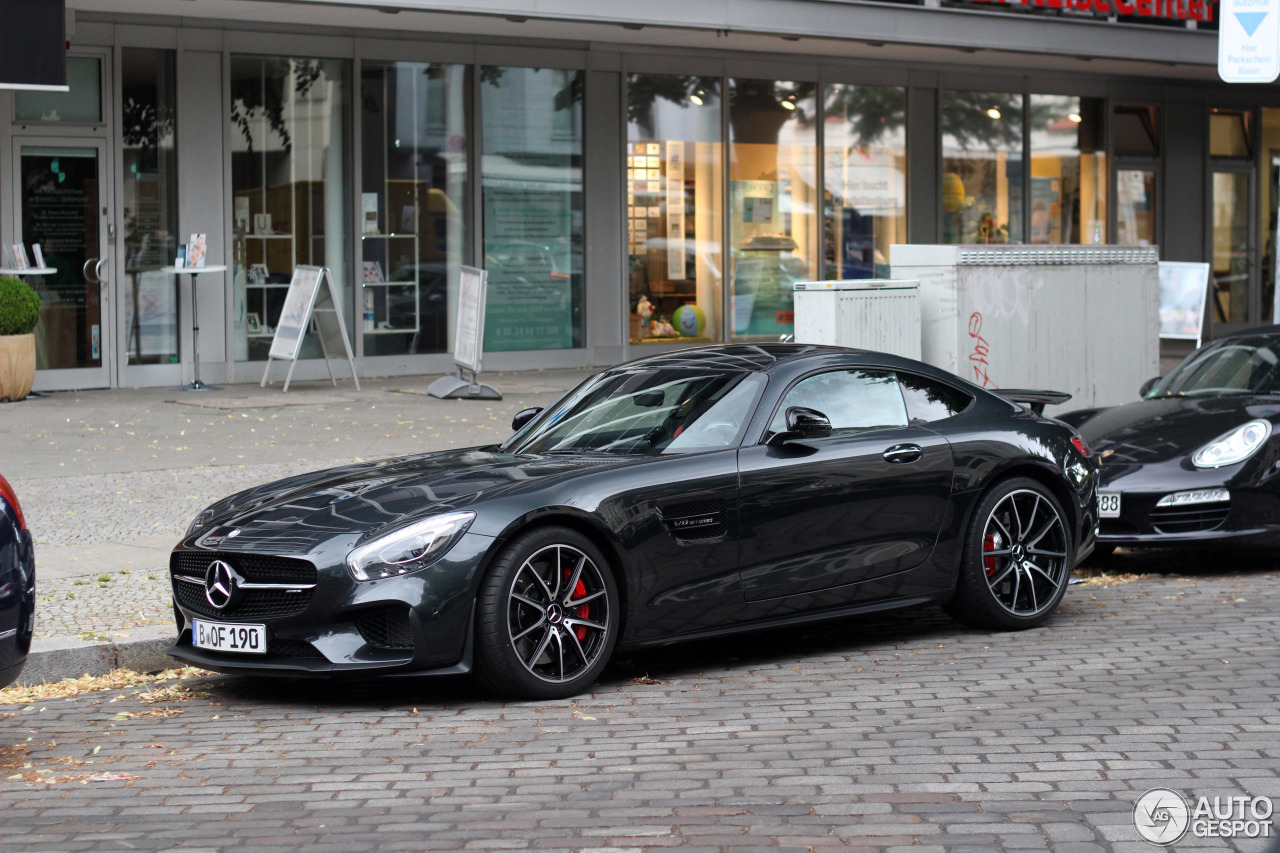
column 97, row 270
column 903, row 453
column 85, row 271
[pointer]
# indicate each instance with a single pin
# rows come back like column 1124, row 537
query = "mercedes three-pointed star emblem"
column 220, row 584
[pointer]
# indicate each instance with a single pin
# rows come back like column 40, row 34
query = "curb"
column 57, row 658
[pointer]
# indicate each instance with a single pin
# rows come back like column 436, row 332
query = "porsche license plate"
column 1108, row 504
column 222, row 637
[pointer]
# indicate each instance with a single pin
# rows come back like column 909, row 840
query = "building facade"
column 632, row 176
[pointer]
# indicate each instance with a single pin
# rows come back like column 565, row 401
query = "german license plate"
column 1109, row 504
column 222, row 637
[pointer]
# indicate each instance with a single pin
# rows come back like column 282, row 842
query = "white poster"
column 1183, row 288
column 467, row 345
column 675, row 210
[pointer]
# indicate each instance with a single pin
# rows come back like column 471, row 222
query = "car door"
column 866, row 501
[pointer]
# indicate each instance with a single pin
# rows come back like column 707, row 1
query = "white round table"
column 197, row 385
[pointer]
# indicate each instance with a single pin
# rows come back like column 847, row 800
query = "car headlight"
column 410, row 548
column 203, row 518
column 1232, row 447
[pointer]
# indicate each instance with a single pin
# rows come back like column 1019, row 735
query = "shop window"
column 288, row 124
column 150, row 204
column 864, row 162
column 674, row 208
column 1068, row 170
column 1135, row 131
column 1229, row 133
column 774, row 202
column 81, row 103
column 1136, row 207
column 531, row 177
column 1270, row 218
column 413, row 203
column 982, row 171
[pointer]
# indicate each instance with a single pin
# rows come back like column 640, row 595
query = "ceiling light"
column 993, row 113
column 696, row 98
column 787, row 105
column 1075, row 117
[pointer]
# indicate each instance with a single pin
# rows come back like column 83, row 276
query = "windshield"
column 645, row 412
column 1245, row 365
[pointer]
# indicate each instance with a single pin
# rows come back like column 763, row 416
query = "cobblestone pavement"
column 887, row 733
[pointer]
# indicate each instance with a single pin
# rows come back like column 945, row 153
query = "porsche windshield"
column 1243, row 365
column 645, row 412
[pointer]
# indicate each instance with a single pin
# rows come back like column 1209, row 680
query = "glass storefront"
column 674, row 208
column 1068, row 171
column 413, row 203
column 149, row 205
column 774, row 201
column 982, row 171
column 288, row 180
column 531, row 176
column 865, row 178
column 1136, row 207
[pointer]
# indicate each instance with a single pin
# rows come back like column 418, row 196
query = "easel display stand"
column 305, row 306
column 468, row 343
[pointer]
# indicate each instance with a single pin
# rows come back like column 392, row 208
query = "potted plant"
column 19, row 313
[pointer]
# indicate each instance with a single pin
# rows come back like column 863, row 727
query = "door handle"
column 97, row 270
column 85, row 271
column 902, row 453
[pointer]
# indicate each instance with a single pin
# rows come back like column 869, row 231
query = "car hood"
column 295, row 515
column 1165, row 428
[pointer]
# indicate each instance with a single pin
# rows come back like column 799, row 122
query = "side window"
column 853, row 400
column 928, row 400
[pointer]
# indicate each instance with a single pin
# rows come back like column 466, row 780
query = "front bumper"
column 1250, row 517
column 327, row 623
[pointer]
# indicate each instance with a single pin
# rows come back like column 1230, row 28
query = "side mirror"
column 523, row 417
column 802, row 423
column 1148, row 385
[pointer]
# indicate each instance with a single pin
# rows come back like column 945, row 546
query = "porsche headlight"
column 203, row 518
column 1232, row 447
column 408, row 548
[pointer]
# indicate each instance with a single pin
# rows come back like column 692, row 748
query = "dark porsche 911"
column 1197, row 460
column 679, row 496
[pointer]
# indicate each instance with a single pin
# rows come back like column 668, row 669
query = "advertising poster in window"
column 530, row 294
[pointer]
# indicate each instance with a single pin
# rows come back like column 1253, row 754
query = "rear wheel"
column 1017, row 558
column 547, row 616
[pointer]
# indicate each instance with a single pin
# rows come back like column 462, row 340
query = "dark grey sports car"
column 679, row 496
column 1197, row 459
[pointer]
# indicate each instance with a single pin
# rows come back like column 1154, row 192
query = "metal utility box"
column 870, row 313
column 1080, row 319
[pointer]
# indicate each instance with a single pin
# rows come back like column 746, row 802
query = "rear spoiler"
column 1033, row 400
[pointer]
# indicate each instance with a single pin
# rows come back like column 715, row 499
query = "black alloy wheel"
column 1017, row 558
column 547, row 616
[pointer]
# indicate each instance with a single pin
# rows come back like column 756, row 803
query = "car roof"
column 758, row 358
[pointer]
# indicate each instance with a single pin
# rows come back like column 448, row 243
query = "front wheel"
column 1017, row 558
column 547, row 616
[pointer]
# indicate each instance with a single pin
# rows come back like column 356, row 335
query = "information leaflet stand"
column 1183, row 288
column 304, row 305
column 468, row 343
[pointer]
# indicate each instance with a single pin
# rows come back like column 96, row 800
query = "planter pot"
column 17, row 366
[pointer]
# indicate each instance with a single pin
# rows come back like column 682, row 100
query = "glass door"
column 1232, row 296
column 62, row 204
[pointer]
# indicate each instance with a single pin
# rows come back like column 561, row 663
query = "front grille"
column 386, row 627
column 255, row 568
column 250, row 604
column 292, row 649
column 1189, row 519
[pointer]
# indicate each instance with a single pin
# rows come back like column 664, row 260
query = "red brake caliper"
column 583, row 611
column 989, row 563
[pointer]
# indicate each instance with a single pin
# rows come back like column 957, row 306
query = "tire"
column 1017, row 558
column 547, row 616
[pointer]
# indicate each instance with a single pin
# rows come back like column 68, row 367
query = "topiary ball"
column 19, row 307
